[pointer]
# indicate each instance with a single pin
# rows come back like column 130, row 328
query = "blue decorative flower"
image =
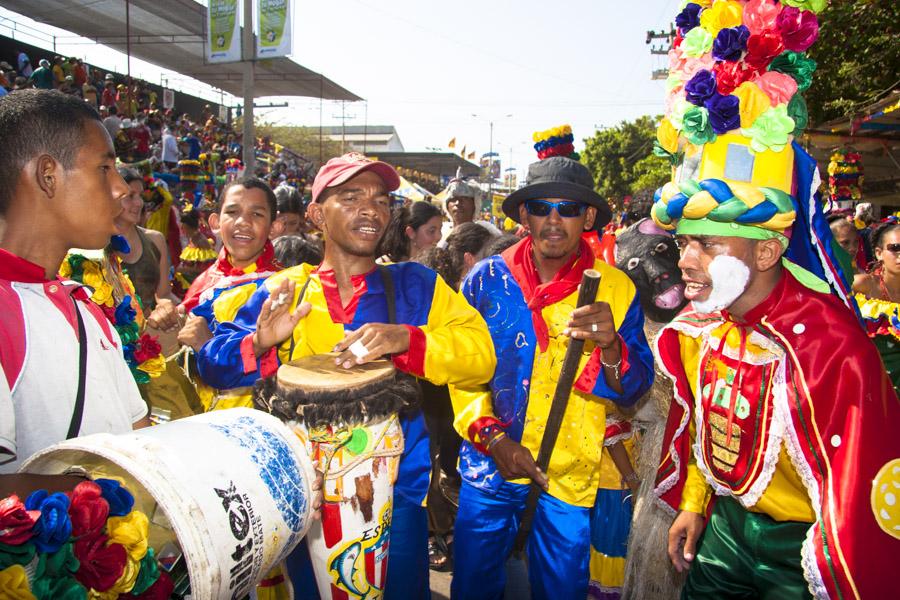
column 724, row 112
column 53, row 528
column 120, row 244
column 701, row 87
column 688, row 18
column 125, row 313
column 119, row 499
column 730, row 44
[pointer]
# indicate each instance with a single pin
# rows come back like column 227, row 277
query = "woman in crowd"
column 878, row 297
column 465, row 246
column 413, row 229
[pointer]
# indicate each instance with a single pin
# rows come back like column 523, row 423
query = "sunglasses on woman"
column 892, row 248
column 566, row 208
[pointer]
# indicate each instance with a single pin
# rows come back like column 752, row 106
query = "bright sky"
column 428, row 67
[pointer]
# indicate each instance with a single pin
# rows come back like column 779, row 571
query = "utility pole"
column 248, row 54
column 668, row 38
column 343, row 117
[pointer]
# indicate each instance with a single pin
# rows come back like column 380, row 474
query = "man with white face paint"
column 781, row 408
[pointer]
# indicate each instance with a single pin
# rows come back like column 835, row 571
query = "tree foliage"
column 858, row 56
column 621, row 159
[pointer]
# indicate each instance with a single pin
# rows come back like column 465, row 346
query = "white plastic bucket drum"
column 349, row 547
column 233, row 487
column 348, row 421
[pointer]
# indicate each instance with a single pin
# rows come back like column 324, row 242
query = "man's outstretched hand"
column 514, row 461
column 276, row 321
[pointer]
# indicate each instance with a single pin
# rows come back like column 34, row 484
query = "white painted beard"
column 729, row 276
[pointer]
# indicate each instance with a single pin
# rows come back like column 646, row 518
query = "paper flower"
column 688, row 18
column 701, row 87
column 16, row 521
column 780, row 88
column 695, row 64
column 797, row 65
column 119, row 499
column 753, row 102
column 762, row 48
column 673, row 83
column 160, row 590
column 697, row 42
column 771, row 130
column 799, row 28
column 722, row 14
column 679, row 109
column 148, row 573
column 816, row 6
column 796, row 109
column 729, row 75
column 54, row 527
column 54, row 576
column 697, row 128
column 147, row 348
column 667, row 136
column 125, row 312
column 123, row 584
column 730, row 43
column 14, row 583
column 131, row 532
column 760, row 15
column 724, row 113
column 88, row 510
column 101, row 565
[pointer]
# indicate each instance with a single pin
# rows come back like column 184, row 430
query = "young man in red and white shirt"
column 61, row 191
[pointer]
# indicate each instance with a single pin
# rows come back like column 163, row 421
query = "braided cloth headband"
column 713, row 207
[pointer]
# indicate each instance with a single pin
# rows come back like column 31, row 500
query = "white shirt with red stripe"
column 39, row 355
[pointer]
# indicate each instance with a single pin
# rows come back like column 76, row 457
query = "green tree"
column 621, row 159
column 858, row 56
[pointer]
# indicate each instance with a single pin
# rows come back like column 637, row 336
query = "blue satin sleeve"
column 638, row 378
column 219, row 360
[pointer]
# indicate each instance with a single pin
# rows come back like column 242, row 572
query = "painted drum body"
column 349, row 547
column 234, row 487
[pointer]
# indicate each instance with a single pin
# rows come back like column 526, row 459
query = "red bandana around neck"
column 520, row 260
column 266, row 261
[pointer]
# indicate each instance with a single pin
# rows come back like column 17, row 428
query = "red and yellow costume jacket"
column 791, row 413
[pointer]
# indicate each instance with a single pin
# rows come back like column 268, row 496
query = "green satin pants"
column 743, row 554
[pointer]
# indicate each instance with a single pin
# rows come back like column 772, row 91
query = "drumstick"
column 590, row 282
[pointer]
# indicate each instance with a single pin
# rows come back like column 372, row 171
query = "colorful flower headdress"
column 845, row 176
column 739, row 67
column 557, row 141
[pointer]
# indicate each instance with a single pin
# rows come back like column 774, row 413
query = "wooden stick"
column 590, row 283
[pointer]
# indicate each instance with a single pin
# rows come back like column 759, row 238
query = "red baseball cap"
column 341, row 169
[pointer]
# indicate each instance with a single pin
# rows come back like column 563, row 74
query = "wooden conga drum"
column 348, row 420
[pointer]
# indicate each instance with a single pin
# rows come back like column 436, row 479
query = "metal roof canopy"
column 170, row 34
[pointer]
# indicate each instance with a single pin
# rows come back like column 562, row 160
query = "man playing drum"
column 343, row 305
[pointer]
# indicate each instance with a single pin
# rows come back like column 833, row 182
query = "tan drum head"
column 319, row 373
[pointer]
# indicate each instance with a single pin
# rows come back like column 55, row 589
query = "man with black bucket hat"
column 528, row 296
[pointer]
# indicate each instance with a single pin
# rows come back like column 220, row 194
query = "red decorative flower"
column 729, row 75
column 148, row 347
column 160, row 590
column 88, row 509
column 762, row 48
column 101, row 565
column 15, row 521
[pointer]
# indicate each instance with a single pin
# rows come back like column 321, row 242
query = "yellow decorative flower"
column 14, row 584
column 722, row 14
column 753, row 102
column 153, row 367
column 667, row 136
column 131, row 531
column 65, row 269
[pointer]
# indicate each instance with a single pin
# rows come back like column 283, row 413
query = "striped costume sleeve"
column 224, row 361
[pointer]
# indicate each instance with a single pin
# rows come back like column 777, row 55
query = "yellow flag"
column 452, row 143
column 462, row 152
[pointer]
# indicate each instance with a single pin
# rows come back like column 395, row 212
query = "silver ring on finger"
column 594, row 327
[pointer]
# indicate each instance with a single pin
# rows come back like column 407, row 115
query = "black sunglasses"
column 892, row 248
column 566, row 208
